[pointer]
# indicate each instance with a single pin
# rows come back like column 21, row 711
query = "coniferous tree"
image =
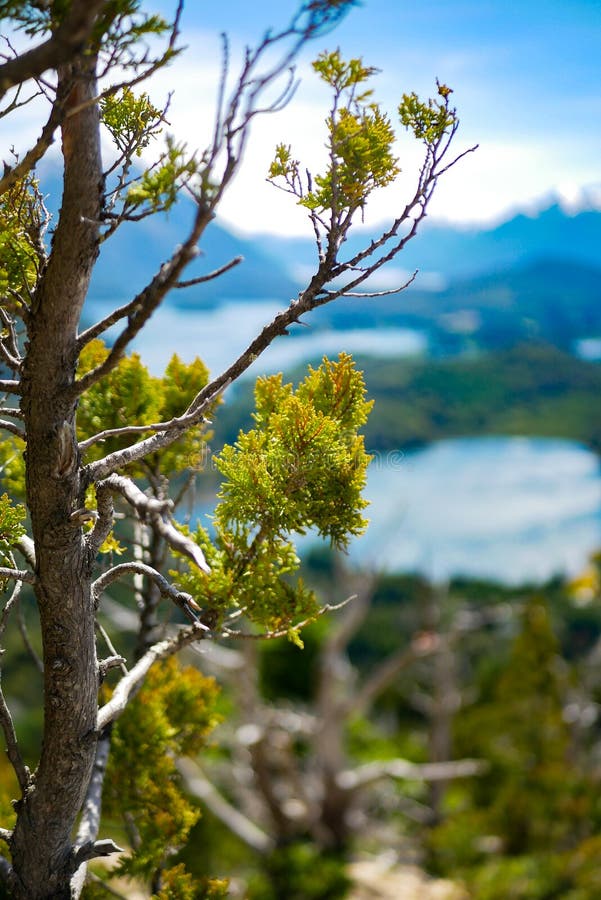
column 101, row 437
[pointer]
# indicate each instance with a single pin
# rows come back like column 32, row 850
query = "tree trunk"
column 41, row 843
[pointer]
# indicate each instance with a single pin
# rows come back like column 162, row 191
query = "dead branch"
column 370, row 773
column 155, row 512
column 384, row 674
column 12, row 746
column 185, row 601
column 131, row 682
column 12, row 174
column 148, row 300
column 26, row 547
column 199, row 786
column 210, row 275
column 13, row 429
column 85, row 847
column 99, row 328
column 18, row 574
column 10, row 387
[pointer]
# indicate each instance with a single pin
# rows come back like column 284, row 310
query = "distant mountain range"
column 533, row 276
column 459, row 252
column 552, row 300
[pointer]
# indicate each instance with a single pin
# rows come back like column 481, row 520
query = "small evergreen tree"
column 101, row 436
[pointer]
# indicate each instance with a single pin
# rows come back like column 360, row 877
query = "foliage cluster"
column 172, row 716
column 302, row 466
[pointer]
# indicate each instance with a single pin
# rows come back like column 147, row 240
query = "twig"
column 12, row 747
column 147, row 301
column 96, row 330
column 9, row 605
column 129, row 683
column 211, row 275
column 185, row 601
column 35, row 153
column 283, row 632
column 370, row 773
column 91, row 876
column 199, row 786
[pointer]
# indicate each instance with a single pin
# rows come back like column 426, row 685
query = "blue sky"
column 527, row 82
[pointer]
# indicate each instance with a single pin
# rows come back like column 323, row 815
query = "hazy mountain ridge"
column 464, row 252
column 555, row 301
column 531, row 277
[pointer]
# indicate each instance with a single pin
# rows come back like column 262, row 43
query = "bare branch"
column 282, row 632
column 132, row 681
column 18, row 574
column 384, row 674
column 27, row 549
column 12, row 601
column 370, row 773
column 95, row 879
column 12, row 174
column 148, row 300
column 211, row 275
column 155, row 512
column 12, row 747
column 104, row 523
column 13, row 429
column 99, row 328
column 10, row 387
column 370, row 294
column 90, row 817
column 111, row 648
column 199, row 786
column 152, row 66
column 183, row 600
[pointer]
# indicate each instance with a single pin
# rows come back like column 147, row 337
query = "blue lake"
column 219, row 335
column 511, row 509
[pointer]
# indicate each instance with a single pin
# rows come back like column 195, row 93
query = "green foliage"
column 132, row 121
column 303, row 466
column 12, row 465
column 20, row 220
column 171, row 716
column 159, row 186
column 119, row 20
column 360, row 139
column 177, row 884
column 428, row 121
column 130, row 395
column 529, row 813
column 11, row 528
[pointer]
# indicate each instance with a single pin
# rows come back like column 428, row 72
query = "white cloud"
column 504, row 173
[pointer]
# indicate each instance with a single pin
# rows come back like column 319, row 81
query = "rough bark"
column 41, row 842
